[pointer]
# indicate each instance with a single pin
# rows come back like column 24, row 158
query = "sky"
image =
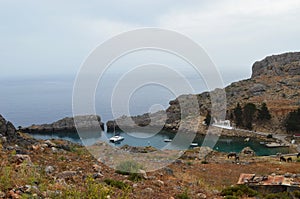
column 44, row 38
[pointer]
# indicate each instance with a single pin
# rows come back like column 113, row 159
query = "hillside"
column 32, row 168
column 275, row 80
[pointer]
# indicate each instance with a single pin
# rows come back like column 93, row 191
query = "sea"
column 40, row 100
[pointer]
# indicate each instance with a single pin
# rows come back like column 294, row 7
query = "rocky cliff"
column 68, row 124
column 286, row 64
column 9, row 135
column 7, row 129
column 275, row 80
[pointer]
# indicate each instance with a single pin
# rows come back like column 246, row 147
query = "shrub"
column 128, row 167
column 281, row 195
column 292, row 121
column 6, row 181
column 91, row 189
column 189, row 163
column 204, row 162
column 239, row 191
column 297, row 194
column 116, row 183
column 183, row 195
column 135, row 177
column 269, row 136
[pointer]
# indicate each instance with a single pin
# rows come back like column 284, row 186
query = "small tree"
column 248, row 115
column 238, row 115
column 263, row 113
column 292, row 122
column 207, row 120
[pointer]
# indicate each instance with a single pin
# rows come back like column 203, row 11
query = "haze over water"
column 45, row 100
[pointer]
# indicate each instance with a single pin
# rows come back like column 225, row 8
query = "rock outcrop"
column 9, row 135
column 87, row 122
column 278, row 65
column 275, row 80
column 7, row 129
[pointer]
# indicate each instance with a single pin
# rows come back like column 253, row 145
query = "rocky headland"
column 275, row 81
column 68, row 124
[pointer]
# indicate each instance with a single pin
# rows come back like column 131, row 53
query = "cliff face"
column 7, row 129
column 286, row 64
column 9, row 136
column 275, row 80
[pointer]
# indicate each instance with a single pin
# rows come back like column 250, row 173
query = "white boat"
column 168, row 140
column 194, row 144
column 116, row 138
column 246, row 139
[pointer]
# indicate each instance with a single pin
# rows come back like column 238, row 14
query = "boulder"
column 247, row 151
column 67, row 174
column 49, row 169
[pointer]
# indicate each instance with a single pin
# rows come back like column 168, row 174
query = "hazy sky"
column 54, row 37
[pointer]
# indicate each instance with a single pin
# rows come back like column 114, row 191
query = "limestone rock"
column 66, row 174
column 278, row 65
column 7, row 128
column 85, row 122
column 49, row 169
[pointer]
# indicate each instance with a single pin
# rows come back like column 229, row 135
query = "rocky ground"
column 59, row 169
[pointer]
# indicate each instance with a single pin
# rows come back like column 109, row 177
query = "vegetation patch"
column 128, row 167
column 183, row 195
column 239, row 191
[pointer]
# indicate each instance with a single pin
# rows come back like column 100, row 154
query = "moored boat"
column 116, row 138
column 194, row 144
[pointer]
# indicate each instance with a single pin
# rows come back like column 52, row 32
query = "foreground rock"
column 7, row 129
column 85, row 122
column 9, row 136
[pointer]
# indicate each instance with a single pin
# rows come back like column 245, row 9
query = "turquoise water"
column 224, row 144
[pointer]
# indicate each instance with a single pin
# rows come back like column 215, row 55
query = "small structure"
column 270, row 183
column 276, row 145
column 222, row 124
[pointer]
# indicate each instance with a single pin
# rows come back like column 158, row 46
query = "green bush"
column 189, row 163
column 116, row 183
column 128, row 167
column 281, row 195
column 297, row 194
column 183, row 195
column 239, row 191
column 135, row 177
column 90, row 189
column 6, row 181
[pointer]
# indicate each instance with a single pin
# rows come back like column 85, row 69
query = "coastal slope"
column 275, row 81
